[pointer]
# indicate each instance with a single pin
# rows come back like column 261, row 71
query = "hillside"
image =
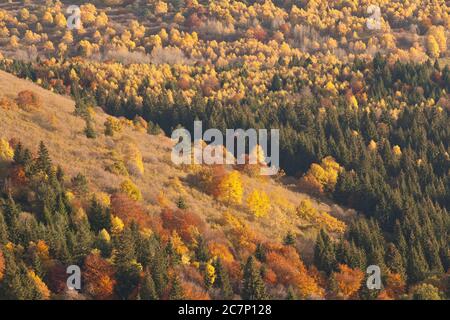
column 54, row 122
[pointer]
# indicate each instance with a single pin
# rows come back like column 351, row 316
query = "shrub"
column 27, row 100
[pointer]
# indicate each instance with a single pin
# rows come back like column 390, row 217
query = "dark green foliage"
column 325, row 253
column 80, row 184
column 16, row 284
column 181, row 203
column 201, row 252
column 43, row 163
column 154, row 129
column 291, row 295
column 289, row 240
column 99, row 216
column 394, row 260
column 260, row 252
column 176, row 290
column 128, row 272
column 277, row 83
column 222, row 280
column 253, row 284
column 147, row 290
column 89, row 129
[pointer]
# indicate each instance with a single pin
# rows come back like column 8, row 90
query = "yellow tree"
column 433, row 46
column 129, row 188
column 439, row 35
column 230, row 188
column 258, row 203
column 6, row 152
column 117, row 225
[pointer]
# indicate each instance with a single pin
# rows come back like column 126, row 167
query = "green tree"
column 148, row 290
column 176, row 290
column 277, row 83
column 426, row 291
column 253, row 286
column 222, row 280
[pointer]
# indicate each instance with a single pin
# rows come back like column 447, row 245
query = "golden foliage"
column 117, row 225
column 130, row 189
column 348, row 280
column 306, row 211
column 229, row 189
column 258, row 203
column 324, row 176
column 6, row 152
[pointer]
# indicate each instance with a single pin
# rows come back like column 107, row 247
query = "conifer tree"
column 394, row 260
column 176, row 290
column 159, row 272
column 99, row 217
column 148, row 290
column 43, row 162
column 325, row 253
column 3, row 229
column 253, row 286
column 89, row 129
column 222, row 280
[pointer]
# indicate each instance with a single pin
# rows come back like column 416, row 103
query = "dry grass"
column 55, row 124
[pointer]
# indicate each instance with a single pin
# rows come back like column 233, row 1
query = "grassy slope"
column 55, row 124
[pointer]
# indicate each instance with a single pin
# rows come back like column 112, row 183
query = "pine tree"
column 253, row 286
column 417, row 264
column 260, row 252
column 3, row 229
column 176, row 290
column 99, row 217
column 84, row 240
column 277, row 83
column 325, row 253
column 289, row 240
column 222, row 280
column 394, row 260
column 43, row 162
column 16, row 285
column 18, row 154
column 128, row 271
column 89, row 129
column 181, row 203
column 291, row 294
column 201, row 251
column 159, row 271
column 148, row 290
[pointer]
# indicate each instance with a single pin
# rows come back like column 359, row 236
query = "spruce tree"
column 394, row 260
column 3, row 229
column 289, row 240
column 89, row 129
column 176, row 290
column 201, row 251
column 253, row 285
column 43, row 162
column 99, row 217
column 147, row 290
column 325, row 253
column 222, row 280
column 159, row 271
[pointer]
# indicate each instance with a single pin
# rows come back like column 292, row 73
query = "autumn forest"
column 91, row 92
